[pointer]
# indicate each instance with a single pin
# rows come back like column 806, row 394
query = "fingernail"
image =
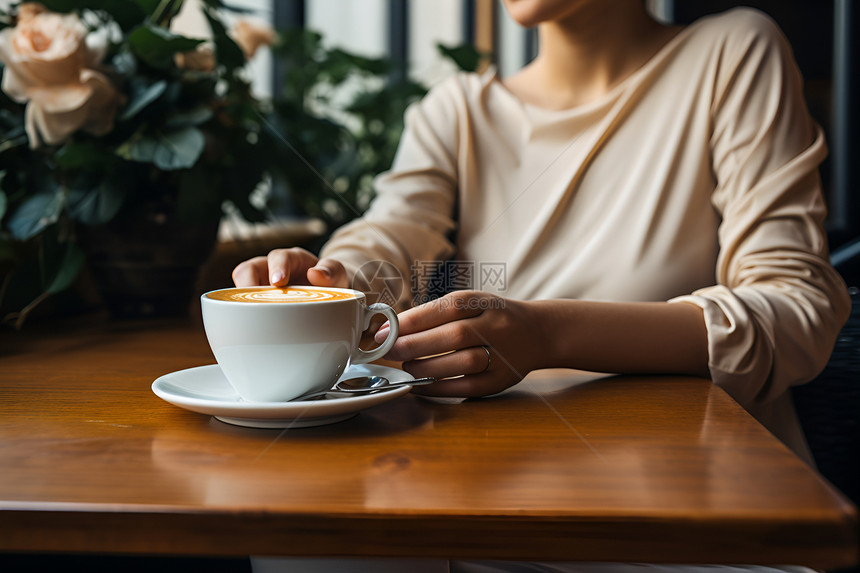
column 277, row 277
column 324, row 271
column 381, row 334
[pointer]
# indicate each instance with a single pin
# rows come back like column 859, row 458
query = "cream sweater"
column 693, row 180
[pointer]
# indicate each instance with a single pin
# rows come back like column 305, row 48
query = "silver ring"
column 489, row 359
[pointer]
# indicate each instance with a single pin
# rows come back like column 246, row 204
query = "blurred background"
column 327, row 95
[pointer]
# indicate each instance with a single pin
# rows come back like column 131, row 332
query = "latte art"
column 279, row 295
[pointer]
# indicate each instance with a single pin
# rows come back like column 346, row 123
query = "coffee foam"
column 280, row 295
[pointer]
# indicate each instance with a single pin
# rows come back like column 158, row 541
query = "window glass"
column 510, row 43
column 358, row 26
column 440, row 21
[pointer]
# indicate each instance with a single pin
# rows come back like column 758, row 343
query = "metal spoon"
column 363, row 385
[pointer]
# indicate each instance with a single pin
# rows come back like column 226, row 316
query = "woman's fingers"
column 253, row 272
column 474, row 360
column 440, row 326
column 450, row 308
column 438, row 340
column 455, row 306
column 328, row 272
column 475, row 343
column 290, row 266
column 467, row 373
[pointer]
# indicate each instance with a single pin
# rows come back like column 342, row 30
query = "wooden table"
column 562, row 467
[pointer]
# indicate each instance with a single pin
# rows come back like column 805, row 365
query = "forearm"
column 623, row 337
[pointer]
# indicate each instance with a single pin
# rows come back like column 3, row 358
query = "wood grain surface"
column 565, row 466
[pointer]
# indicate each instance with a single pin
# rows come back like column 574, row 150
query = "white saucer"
column 204, row 389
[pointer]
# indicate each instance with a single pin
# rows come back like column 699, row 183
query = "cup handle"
column 361, row 356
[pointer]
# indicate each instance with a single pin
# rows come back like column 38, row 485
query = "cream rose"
column 251, row 37
column 46, row 58
column 202, row 59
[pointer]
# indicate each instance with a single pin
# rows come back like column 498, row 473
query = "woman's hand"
column 290, row 266
column 477, row 343
column 480, row 344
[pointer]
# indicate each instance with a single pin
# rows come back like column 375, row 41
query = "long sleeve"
column 695, row 179
column 411, row 219
column 778, row 306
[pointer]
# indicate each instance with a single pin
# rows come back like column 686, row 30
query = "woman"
column 650, row 192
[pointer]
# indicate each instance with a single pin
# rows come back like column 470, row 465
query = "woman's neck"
column 588, row 52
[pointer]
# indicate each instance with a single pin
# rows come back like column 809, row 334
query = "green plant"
column 171, row 127
column 161, row 122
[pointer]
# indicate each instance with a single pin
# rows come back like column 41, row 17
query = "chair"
column 829, row 410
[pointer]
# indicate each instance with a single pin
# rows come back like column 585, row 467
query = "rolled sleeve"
column 778, row 305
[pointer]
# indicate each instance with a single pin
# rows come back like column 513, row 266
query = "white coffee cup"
column 275, row 344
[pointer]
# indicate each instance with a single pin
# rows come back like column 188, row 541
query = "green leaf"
column 126, row 14
column 148, row 6
column 3, row 201
column 172, row 150
column 13, row 138
column 219, row 5
column 466, row 57
column 165, row 11
column 142, row 98
column 195, row 116
column 34, row 215
column 95, row 206
column 156, row 46
column 227, row 52
column 340, row 66
column 82, row 154
column 70, row 266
